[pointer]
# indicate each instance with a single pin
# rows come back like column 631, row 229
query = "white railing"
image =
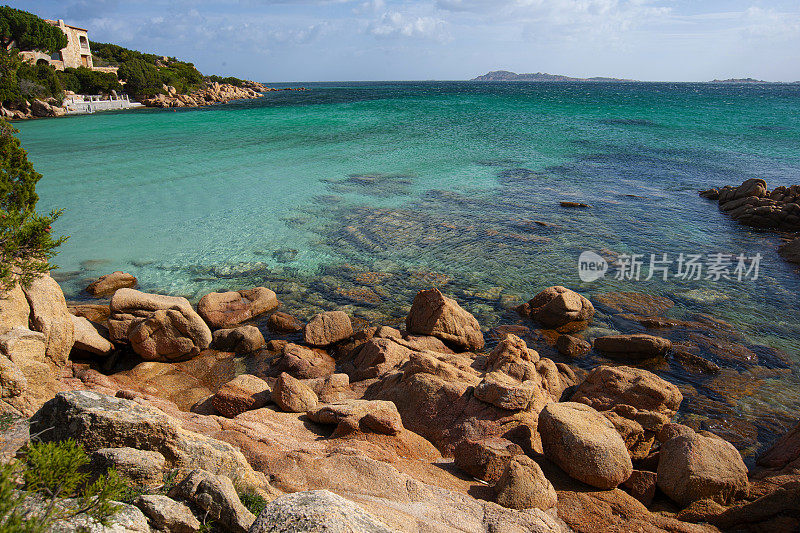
column 90, row 103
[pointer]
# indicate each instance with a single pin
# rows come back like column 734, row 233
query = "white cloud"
column 396, row 24
column 768, row 24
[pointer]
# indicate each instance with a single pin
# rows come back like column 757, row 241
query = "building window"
column 84, row 42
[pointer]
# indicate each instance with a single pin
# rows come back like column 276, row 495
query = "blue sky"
column 313, row 40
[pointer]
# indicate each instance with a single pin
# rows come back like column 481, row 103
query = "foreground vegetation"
column 26, row 243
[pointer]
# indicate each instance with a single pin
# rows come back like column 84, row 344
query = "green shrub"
column 54, row 472
column 9, row 84
column 142, row 80
column 26, row 245
column 89, row 81
column 39, row 81
column 254, row 502
column 230, row 80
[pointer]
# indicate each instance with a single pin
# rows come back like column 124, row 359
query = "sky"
column 336, row 40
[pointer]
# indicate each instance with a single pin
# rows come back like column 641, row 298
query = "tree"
column 26, row 245
column 9, row 84
column 142, row 80
column 29, row 32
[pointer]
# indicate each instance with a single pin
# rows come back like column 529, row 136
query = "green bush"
column 9, row 84
column 26, row 245
column 89, row 81
column 254, row 502
column 39, row 81
column 230, row 80
column 142, row 80
column 54, row 472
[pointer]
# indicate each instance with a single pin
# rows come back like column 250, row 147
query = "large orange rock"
column 328, row 328
column 432, row 313
column 584, row 444
column 110, row 283
column 159, row 328
column 226, row 309
column 49, row 314
column 559, row 308
column 696, row 467
column 523, row 486
column 608, row 386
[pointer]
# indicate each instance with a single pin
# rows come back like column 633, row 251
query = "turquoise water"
column 436, row 182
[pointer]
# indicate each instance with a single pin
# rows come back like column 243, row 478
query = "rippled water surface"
column 357, row 195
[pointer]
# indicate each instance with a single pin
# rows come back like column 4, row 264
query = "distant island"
column 741, row 80
column 505, row 75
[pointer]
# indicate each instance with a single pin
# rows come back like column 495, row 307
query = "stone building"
column 76, row 54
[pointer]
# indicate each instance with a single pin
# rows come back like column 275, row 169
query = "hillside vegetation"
column 139, row 74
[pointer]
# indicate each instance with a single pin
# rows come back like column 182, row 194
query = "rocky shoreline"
column 754, row 205
column 212, row 93
column 368, row 427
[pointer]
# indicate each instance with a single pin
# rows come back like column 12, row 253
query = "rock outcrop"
column 328, row 328
column 99, row 421
column 559, row 308
column 696, row 467
column 159, row 328
column 110, row 283
column 584, row 444
column 227, row 309
column 433, row 313
column 316, row 510
column 753, row 204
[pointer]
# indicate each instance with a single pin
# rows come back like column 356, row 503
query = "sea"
column 354, row 196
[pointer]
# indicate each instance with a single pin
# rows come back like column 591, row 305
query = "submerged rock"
column 637, row 346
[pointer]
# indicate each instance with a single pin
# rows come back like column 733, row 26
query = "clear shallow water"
column 271, row 192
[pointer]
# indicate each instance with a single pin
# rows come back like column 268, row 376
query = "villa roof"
column 55, row 23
